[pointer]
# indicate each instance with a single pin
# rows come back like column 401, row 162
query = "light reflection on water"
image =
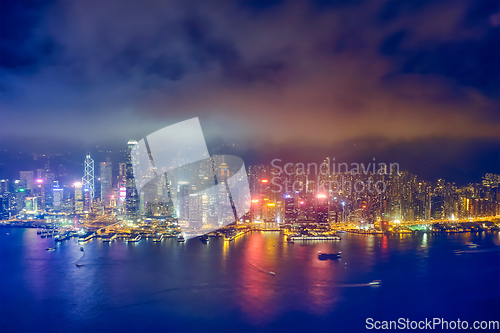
column 227, row 285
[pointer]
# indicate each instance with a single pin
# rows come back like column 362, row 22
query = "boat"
column 81, row 248
column 471, row 245
column 272, row 273
column 326, row 256
column 375, row 283
column 79, row 265
column 314, row 237
column 39, row 232
column 204, row 239
column 51, row 249
column 181, row 238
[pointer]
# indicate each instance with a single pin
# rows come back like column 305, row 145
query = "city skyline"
column 249, row 165
column 348, row 195
column 358, row 80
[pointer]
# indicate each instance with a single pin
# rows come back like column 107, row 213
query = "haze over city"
column 412, row 82
column 249, row 166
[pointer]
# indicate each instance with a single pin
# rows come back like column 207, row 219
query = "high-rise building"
column 27, row 177
column 5, row 205
column 57, row 198
column 88, row 176
column 4, row 186
column 183, row 202
column 31, row 204
column 78, row 197
column 122, row 172
column 132, row 199
column 106, row 182
column 290, row 215
column 322, row 208
column 437, row 207
column 195, row 211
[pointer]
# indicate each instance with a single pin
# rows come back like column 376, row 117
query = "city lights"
column 249, row 166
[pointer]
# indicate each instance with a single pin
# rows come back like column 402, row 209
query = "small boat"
column 375, row 283
column 326, row 256
column 471, row 245
column 181, row 239
column 81, row 248
column 51, row 249
column 204, row 239
column 79, row 265
column 38, row 232
column 272, row 273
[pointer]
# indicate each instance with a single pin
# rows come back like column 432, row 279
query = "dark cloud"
column 286, row 72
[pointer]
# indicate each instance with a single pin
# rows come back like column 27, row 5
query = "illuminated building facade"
column 88, row 177
column 132, row 198
column 106, row 182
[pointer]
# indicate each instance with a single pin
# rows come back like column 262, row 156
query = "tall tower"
column 88, row 178
column 131, row 199
column 28, row 177
column 106, row 182
column 78, row 198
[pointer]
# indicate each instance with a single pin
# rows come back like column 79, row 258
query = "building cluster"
column 41, row 193
column 299, row 198
column 277, row 200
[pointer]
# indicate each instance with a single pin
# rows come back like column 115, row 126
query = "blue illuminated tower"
column 88, row 178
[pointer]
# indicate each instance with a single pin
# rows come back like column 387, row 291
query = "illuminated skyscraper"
column 57, row 195
column 28, row 178
column 321, row 208
column 290, row 215
column 132, row 199
column 78, row 198
column 183, row 203
column 106, row 182
column 4, row 186
column 195, row 211
column 88, row 177
column 122, row 172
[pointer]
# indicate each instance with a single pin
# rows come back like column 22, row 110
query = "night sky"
column 412, row 82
